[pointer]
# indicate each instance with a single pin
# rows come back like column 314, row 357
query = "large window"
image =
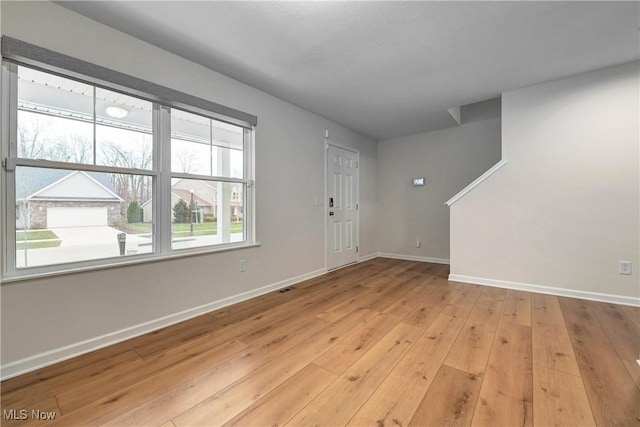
column 207, row 169
column 95, row 176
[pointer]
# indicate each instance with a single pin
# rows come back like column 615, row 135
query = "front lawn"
column 35, row 235
column 36, row 239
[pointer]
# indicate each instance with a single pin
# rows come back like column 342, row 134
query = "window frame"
column 160, row 174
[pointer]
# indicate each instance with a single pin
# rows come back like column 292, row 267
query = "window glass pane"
column 206, row 213
column 190, row 157
column 65, row 215
column 123, row 130
column 124, row 148
column 228, row 143
column 203, row 146
column 54, row 118
column 190, row 143
column 50, row 137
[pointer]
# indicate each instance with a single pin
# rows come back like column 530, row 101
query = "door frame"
column 325, row 205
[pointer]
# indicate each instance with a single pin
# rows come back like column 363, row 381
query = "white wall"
column 449, row 159
column 565, row 208
column 46, row 314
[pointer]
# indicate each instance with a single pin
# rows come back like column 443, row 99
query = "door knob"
column 331, row 213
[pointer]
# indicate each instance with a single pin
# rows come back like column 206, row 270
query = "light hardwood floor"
column 381, row 343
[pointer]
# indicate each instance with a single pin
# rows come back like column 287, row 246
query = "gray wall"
column 449, row 159
column 565, row 208
column 47, row 314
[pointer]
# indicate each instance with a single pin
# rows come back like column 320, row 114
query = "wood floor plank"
column 612, row 393
column 633, row 313
column 32, row 414
column 251, row 364
column 167, row 338
column 249, row 307
column 102, row 385
column 507, row 388
column 80, row 395
column 266, row 327
column 280, row 405
column 470, row 351
column 463, row 300
column 412, row 299
column 285, row 331
column 346, row 395
column 50, row 385
column 397, row 267
column 551, row 343
column 559, row 399
column 396, row 399
column 450, row 400
column 88, row 363
column 387, row 295
column 339, row 310
column 517, row 307
column 345, row 353
column 622, row 333
column 430, row 307
column 106, row 408
column 242, row 325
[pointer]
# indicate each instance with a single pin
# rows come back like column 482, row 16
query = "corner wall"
column 448, row 159
column 566, row 208
column 48, row 319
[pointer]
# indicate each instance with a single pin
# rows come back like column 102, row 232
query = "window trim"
column 160, row 171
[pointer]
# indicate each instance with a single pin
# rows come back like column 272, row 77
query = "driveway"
column 72, row 236
column 83, row 243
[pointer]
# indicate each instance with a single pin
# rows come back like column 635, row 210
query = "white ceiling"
column 384, row 69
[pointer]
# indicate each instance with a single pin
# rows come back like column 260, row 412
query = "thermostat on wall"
column 418, row 182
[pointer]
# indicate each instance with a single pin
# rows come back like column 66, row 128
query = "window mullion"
column 95, row 130
column 249, row 194
column 50, row 164
column 209, row 178
column 162, row 188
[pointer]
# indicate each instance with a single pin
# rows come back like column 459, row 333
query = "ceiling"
column 384, row 69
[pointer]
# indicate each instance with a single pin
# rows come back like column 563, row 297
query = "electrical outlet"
column 243, row 265
column 624, row 268
column 418, row 243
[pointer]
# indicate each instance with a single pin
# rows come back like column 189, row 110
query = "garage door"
column 76, row 217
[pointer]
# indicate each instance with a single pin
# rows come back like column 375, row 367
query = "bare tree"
column 74, row 149
column 186, row 160
column 30, row 140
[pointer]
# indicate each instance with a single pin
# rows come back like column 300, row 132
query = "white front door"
column 342, row 207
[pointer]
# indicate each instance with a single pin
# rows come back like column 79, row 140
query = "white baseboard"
column 563, row 292
column 414, row 258
column 368, row 257
column 50, row 357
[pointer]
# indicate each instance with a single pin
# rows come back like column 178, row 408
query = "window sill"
column 138, row 260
